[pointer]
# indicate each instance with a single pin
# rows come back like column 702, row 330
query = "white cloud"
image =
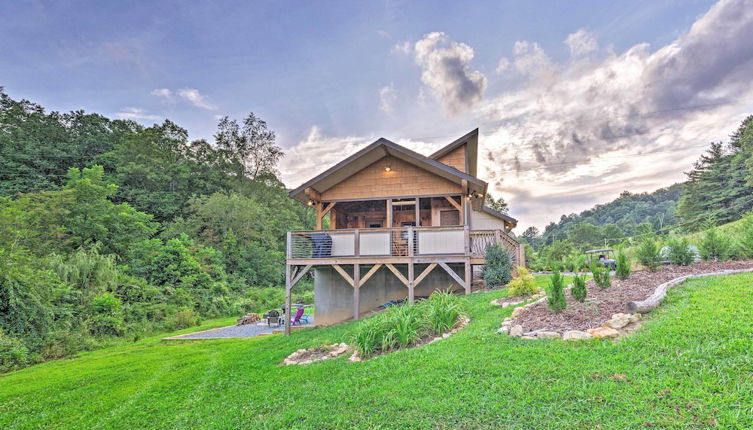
column 136, row 114
column 403, row 48
column 581, row 42
column 503, row 65
column 162, row 92
column 193, row 96
column 387, row 98
column 446, row 71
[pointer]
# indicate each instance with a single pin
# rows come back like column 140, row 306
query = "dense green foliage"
column 579, row 290
column 745, row 236
column 405, row 325
column 498, row 266
column 682, row 369
column 715, row 246
column 523, row 284
column 110, row 230
column 556, row 299
column 623, row 268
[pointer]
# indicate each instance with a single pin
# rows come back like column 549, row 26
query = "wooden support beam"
column 356, row 291
column 288, row 299
column 299, row 275
column 357, row 242
column 313, row 194
column 343, row 273
column 418, row 214
column 370, row 273
column 328, row 208
column 424, row 274
column 411, row 286
column 452, row 273
column 397, row 273
column 321, row 211
column 457, row 205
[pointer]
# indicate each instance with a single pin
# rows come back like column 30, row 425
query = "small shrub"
column 715, row 246
column 648, row 254
column 623, row 265
column 579, row 290
column 556, row 299
column 601, row 275
column 498, row 266
column 745, row 236
column 524, row 284
column 13, row 353
column 680, row 253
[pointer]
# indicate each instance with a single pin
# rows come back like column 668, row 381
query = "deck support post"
column 468, row 276
column 356, row 291
column 411, row 279
column 288, row 298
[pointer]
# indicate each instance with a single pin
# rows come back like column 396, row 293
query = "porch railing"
column 395, row 242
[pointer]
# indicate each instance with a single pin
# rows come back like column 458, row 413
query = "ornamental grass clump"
column 556, row 299
column 579, row 290
column 648, row 254
column 623, row 265
column 524, row 284
column 406, row 325
column 601, row 275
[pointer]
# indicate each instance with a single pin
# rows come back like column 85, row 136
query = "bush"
column 648, row 254
column 13, row 353
column 745, row 236
column 715, row 246
column 579, row 290
column 183, row 319
column 524, row 284
column 623, row 265
column 601, row 275
column 498, row 266
column 680, row 253
column 402, row 326
column 556, row 295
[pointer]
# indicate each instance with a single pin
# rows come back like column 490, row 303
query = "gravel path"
column 234, row 331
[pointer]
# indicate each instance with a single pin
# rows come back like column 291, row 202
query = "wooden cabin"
column 393, row 224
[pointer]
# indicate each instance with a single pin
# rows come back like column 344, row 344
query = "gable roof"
column 470, row 141
column 500, row 215
column 371, row 154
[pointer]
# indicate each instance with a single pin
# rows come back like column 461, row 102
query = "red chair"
column 297, row 318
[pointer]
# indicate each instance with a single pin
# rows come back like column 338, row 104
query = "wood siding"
column 485, row 221
column 456, row 158
column 404, row 179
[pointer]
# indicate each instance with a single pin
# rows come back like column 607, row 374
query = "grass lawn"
column 690, row 366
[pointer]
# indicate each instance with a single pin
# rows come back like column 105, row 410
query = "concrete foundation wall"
column 333, row 296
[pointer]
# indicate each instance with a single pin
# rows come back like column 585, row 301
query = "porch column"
column 356, row 291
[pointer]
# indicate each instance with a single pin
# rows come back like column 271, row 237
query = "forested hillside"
column 719, row 189
column 109, row 229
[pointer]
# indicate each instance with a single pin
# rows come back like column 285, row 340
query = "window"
column 449, row 217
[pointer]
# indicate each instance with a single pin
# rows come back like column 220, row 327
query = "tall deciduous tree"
column 248, row 149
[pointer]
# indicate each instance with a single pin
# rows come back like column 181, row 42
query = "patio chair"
column 307, row 313
column 297, row 317
column 273, row 317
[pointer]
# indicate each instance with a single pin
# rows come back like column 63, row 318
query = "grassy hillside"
column 690, row 367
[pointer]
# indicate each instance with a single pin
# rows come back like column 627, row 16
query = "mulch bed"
column 600, row 304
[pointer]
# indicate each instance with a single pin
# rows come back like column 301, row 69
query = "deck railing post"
column 467, row 239
column 289, row 249
column 410, row 242
column 357, row 242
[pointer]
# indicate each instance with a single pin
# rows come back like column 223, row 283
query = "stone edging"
column 619, row 324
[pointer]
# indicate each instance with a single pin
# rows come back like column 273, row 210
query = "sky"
column 575, row 101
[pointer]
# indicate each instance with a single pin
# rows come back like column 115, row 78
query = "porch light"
column 311, row 203
column 387, row 168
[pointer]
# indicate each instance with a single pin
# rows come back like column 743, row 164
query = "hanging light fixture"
column 387, row 167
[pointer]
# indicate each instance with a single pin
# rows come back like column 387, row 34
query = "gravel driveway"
column 234, row 331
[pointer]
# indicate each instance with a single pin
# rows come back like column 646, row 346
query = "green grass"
column 690, row 366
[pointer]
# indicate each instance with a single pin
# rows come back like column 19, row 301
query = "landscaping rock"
column 308, row 356
column 504, row 329
column 618, row 321
column 602, row 332
column 517, row 311
column 516, row 331
column 634, row 318
column 548, row 335
column 576, row 335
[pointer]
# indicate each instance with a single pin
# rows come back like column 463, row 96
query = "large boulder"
column 618, row 321
column 516, row 331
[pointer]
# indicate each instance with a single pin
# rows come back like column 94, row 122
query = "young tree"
column 579, row 290
column 648, row 254
column 556, row 299
column 498, row 267
column 248, row 150
column 623, row 265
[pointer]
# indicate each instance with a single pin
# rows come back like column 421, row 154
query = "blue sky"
column 332, row 76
